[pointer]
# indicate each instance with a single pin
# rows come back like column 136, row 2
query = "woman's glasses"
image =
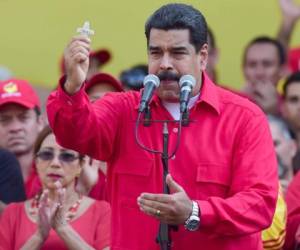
column 66, row 157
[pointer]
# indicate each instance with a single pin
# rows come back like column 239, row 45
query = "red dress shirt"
column 225, row 161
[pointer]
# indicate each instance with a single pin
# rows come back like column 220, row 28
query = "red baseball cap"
column 104, row 78
column 20, row 92
column 103, row 56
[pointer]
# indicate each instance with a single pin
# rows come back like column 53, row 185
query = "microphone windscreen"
column 151, row 78
column 187, row 80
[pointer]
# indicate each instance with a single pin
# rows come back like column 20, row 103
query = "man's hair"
column 268, row 40
column 293, row 78
column 37, row 110
column 180, row 17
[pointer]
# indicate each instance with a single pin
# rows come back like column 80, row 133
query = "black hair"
column 133, row 78
column 268, row 40
column 37, row 110
column 179, row 16
column 295, row 77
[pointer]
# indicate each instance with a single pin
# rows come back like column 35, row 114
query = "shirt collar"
column 208, row 94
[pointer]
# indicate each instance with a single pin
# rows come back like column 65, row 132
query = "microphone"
column 186, row 83
column 151, row 82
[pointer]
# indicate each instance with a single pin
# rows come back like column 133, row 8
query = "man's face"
column 171, row 53
column 19, row 128
column 262, row 64
column 99, row 90
column 291, row 105
column 285, row 148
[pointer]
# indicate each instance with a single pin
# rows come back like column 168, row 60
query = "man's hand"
column 76, row 59
column 89, row 175
column 265, row 95
column 173, row 209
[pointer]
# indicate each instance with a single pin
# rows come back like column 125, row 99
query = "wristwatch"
column 193, row 222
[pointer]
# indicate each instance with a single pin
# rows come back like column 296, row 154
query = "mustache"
column 168, row 76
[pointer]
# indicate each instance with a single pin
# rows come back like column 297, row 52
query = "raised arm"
column 77, row 124
column 290, row 13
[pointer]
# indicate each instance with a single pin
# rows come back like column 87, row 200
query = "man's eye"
column 293, row 99
column 4, row 119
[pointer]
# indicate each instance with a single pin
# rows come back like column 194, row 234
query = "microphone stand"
column 163, row 237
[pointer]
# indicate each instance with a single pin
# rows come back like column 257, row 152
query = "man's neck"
column 25, row 161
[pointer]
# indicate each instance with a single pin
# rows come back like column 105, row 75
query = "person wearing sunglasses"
column 58, row 217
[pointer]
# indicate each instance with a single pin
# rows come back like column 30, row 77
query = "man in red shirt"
column 20, row 123
column 224, row 172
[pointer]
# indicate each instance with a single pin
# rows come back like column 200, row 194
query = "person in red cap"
column 20, row 123
column 97, row 59
column 92, row 180
column 100, row 84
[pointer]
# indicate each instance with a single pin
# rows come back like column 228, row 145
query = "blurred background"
column 34, row 33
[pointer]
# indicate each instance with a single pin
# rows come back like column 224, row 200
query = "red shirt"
column 33, row 184
column 293, row 206
column 93, row 226
column 225, row 161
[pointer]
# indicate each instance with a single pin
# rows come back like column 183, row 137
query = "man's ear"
column 41, row 121
column 203, row 56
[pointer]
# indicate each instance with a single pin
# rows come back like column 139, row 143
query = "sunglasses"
column 66, row 157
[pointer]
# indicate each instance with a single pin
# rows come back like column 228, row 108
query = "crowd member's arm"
column 290, row 14
column 11, row 180
column 71, row 238
column 34, row 243
column 77, row 124
column 253, row 192
column 274, row 236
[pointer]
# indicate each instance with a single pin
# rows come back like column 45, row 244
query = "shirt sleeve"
column 11, row 180
column 253, row 192
column 93, row 126
column 7, row 222
column 103, row 231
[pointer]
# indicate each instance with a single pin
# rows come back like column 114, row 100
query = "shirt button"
column 175, row 130
column 173, row 157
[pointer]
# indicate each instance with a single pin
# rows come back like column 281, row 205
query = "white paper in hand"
column 85, row 30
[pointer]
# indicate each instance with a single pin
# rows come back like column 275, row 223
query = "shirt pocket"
column 133, row 177
column 212, row 180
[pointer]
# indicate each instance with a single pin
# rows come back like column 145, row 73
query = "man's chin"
column 169, row 97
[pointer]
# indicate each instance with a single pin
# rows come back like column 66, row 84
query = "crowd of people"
column 77, row 178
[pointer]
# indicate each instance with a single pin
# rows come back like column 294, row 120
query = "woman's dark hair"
column 179, row 16
column 293, row 78
column 41, row 137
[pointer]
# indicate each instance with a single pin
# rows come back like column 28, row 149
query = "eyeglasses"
column 66, row 157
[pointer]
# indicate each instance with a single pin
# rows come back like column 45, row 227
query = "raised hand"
column 172, row 209
column 89, row 175
column 76, row 58
column 289, row 9
column 265, row 95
